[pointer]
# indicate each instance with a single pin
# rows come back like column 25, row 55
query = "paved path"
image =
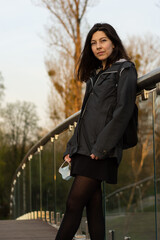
column 26, row 230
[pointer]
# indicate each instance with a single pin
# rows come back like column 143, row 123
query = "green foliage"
column 18, row 131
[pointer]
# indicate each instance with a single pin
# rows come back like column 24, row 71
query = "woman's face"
column 101, row 46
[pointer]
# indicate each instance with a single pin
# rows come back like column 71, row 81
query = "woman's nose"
column 98, row 45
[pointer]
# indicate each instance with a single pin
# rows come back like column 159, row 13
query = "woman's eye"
column 103, row 40
column 92, row 43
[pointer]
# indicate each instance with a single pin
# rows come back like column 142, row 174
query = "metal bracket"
column 158, row 88
column 145, row 94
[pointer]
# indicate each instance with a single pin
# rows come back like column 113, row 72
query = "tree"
column 1, row 88
column 20, row 127
column 65, row 41
column 60, row 89
column 145, row 52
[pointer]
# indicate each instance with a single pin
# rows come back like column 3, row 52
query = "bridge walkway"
column 26, row 230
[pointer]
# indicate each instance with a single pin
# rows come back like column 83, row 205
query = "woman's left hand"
column 93, row 156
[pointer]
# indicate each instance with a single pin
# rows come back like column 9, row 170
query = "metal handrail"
column 146, row 82
column 129, row 186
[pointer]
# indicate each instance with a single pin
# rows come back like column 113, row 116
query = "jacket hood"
column 121, row 60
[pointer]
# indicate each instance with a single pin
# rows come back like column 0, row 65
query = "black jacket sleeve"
column 72, row 139
column 113, row 131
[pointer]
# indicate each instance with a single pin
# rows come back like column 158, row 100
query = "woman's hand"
column 67, row 158
column 93, row 156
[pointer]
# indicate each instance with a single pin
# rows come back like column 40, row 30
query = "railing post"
column 43, row 216
column 87, row 233
column 35, row 215
column 30, row 187
column 13, row 198
column 24, row 189
column 104, row 206
column 54, row 174
column 40, row 180
column 32, row 215
column 55, row 178
column 111, row 234
column 62, row 217
column 18, row 198
column 47, row 216
column 154, row 159
column 39, row 214
column 52, row 217
column 58, row 219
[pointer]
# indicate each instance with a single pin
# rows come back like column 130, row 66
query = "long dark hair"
column 88, row 62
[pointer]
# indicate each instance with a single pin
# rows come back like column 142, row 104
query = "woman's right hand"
column 67, row 158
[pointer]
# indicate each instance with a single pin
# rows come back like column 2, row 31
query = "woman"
column 95, row 149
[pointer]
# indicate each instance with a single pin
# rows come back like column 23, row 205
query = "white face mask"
column 65, row 171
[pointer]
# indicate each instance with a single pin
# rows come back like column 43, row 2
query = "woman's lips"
column 100, row 53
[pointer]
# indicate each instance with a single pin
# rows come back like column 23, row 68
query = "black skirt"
column 105, row 170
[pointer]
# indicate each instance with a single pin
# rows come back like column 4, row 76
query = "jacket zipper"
column 103, row 74
column 92, row 89
column 91, row 81
column 86, row 106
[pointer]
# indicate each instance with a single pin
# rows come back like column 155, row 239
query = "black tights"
column 84, row 192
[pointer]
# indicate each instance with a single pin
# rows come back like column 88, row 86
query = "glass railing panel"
column 26, row 191
column 47, row 155
column 13, row 202
column 21, row 193
column 62, row 186
column 157, row 158
column 16, row 203
column 130, row 203
column 35, row 182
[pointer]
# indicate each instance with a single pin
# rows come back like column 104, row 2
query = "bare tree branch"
column 63, row 47
column 71, row 8
column 60, row 20
column 68, row 17
column 84, row 9
column 59, row 41
column 144, row 51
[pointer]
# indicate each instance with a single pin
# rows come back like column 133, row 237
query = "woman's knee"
column 71, row 204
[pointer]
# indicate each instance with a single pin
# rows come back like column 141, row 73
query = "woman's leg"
column 81, row 191
column 96, row 222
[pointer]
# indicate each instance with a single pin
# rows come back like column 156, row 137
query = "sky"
column 23, row 45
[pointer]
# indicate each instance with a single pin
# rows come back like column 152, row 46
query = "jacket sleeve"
column 67, row 151
column 113, row 131
column 72, row 139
